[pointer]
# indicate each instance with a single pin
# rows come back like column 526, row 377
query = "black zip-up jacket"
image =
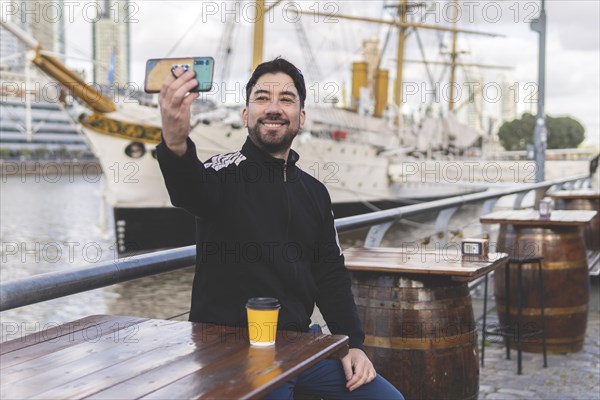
column 267, row 230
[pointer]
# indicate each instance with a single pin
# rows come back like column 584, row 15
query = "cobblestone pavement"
column 568, row 376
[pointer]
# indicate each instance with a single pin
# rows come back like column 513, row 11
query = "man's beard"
column 280, row 145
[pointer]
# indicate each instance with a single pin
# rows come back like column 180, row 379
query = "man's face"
column 273, row 115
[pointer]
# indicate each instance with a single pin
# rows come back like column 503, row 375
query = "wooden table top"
column 449, row 262
column 115, row 357
column 532, row 217
column 575, row 194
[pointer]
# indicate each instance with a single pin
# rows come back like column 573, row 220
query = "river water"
column 54, row 225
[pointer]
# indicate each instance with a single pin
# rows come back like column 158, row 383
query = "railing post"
column 376, row 234
column 518, row 200
column 579, row 183
column 441, row 225
column 488, row 207
column 539, row 194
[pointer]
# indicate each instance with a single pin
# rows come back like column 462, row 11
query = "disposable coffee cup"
column 263, row 313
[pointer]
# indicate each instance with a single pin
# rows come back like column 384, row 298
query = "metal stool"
column 505, row 331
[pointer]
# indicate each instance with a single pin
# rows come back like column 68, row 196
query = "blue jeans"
column 327, row 380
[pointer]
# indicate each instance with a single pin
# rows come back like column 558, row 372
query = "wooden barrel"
column 420, row 333
column 566, row 285
column 592, row 230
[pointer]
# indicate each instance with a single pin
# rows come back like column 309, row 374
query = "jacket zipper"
column 289, row 220
column 289, row 215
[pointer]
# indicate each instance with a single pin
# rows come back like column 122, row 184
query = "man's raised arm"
column 175, row 102
column 190, row 185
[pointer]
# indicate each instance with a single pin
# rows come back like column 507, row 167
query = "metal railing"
column 42, row 287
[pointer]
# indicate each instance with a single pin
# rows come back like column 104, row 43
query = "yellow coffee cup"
column 263, row 313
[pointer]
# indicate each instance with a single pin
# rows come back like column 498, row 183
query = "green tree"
column 563, row 132
column 518, row 133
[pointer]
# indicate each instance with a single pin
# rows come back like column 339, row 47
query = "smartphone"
column 157, row 70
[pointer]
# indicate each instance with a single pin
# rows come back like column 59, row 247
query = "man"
column 268, row 229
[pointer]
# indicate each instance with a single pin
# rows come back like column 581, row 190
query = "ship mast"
column 259, row 31
column 453, row 56
column 402, row 9
column 403, row 25
column 259, row 34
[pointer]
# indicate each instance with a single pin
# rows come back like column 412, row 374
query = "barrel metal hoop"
column 467, row 338
column 533, row 311
column 557, row 265
column 569, row 340
column 399, row 305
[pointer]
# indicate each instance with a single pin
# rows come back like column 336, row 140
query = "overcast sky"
column 573, row 48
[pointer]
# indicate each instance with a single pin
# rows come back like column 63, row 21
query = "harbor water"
column 53, row 224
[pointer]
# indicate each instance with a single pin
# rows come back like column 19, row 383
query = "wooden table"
column 558, row 239
column 582, row 199
column 418, row 317
column 114, row 357
column 575, row 194
column 449, row 262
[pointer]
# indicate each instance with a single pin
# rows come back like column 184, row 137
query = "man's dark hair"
column 278, row 65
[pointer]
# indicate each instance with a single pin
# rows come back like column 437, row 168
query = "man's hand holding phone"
column 175, row 101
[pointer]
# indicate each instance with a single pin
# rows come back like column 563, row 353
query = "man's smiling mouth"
column 273, row 124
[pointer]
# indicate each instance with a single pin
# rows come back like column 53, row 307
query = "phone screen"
column 158, row 69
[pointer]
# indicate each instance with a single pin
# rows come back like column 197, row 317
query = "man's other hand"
column 358, row 369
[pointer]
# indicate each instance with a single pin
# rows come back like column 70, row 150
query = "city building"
column 509, row 100
column 110, row 41
column 9, row 49
column 45, row 21
column 475, row 107
column 33, row 125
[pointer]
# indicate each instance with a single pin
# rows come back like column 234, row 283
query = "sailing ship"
column 349, row 157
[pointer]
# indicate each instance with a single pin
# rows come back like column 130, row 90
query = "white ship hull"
column 352, row 172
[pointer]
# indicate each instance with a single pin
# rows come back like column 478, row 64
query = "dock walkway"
column 574, row 376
